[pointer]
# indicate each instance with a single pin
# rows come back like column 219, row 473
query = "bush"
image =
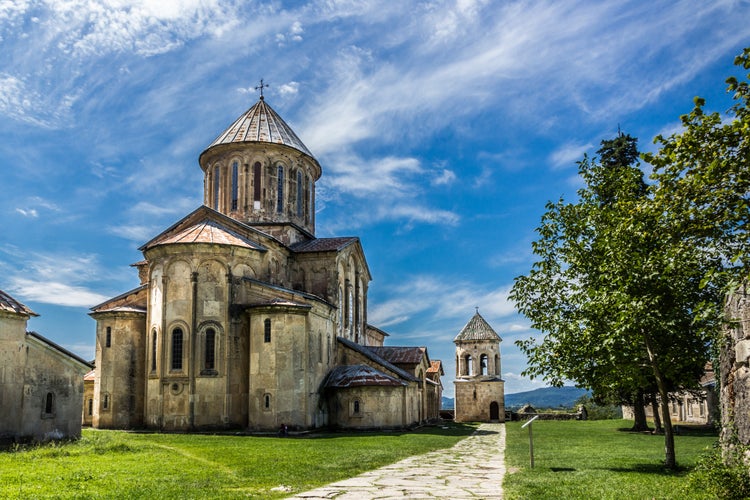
column 717, row 479
column 599, row 412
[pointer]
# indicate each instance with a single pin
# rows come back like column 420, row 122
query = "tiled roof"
column 90, row 375
column 131, row 301
column 400, row 355
column 372, row 356
column 208, row 231
column 436, row 366
column 9, row 304
column 359, row 375
column 477, row 329
column 261, row 124
column 324, row 244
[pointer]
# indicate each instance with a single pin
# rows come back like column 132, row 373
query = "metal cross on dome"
column 260, row 87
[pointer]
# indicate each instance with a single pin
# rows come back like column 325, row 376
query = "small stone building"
column 479, row 389
column 41, row 383
column 244, row 318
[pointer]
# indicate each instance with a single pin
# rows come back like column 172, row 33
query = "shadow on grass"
column 690, row 430
column 650, row 468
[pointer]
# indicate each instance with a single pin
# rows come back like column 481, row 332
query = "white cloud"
column 55, row 292
column 568, row 155
column 137, row 233
column 291, row 88
column 31, row 212
column 445, row 177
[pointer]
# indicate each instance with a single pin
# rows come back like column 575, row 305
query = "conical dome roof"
column 477, row 329
column 261, row 124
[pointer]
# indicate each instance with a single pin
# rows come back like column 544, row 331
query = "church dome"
column 261, row 123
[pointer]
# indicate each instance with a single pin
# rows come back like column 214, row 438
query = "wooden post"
column 531, row 439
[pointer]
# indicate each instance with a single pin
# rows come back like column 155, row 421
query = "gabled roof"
column 372, row 356
column 358, row 376
column 132, row 301
column 324, row 244
column 436, row 366
column 261, row 123
column 401, row 355
column 477, row 329
column 205, row 225
column 11, row 305
column 59, row 349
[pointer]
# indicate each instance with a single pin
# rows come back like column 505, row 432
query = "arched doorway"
column 494, row 411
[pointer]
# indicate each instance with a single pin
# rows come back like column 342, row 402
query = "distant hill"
column 546, row 397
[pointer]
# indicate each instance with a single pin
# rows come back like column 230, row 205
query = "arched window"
column 235, row 185
column 469, row 365
column 256, row 185
column 483, row 364
column 177, row 349
column 49, row 404
column 309, row 201
column 153, row 351
column 280, row 189
column 108, row 340
column 105, row 401
column 217, row 184
column 266, row 401
column 267, row 330
column 341, row 310
column 356, row 408
column 91, row 407
column 210, row 350
column 350, row 310
column 300, row 194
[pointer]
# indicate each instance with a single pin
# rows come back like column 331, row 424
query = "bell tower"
column 479, row 388
column 259, row 172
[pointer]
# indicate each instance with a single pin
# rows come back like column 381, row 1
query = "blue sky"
column 442, row 128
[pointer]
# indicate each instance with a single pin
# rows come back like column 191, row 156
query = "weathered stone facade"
column 243, row 314
column 479, row 389
column 735, row 371
column 41, row 384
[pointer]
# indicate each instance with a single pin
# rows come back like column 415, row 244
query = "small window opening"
column 300, row 194
column 356, row 406
column 235, row 187
column 91, row 407
column 267, row 330
column 267, row 401
column 217, row 181
column 108, row 341
column 105, row 402
column 280, row 189
column 177, row 349
column 49, row 403
column 210, row 361
column 256, row 181
column 153, row 351
column 483, row 363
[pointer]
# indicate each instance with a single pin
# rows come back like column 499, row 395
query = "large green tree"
column 703, row 186
column 613, row 292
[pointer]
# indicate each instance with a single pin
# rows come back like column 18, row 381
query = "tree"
column 614, row 291
column 703, row 186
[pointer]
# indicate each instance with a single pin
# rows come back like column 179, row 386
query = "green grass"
column 598, row 459
column 115, row 464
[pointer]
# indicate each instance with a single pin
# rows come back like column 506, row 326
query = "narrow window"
column 235, row 186
column 469, row 365
column 267, row 330
column 702, row 408
column 177, row 349
column 483, row 363
column 153, row 351
column 267, row 401
column 309, row 202
column 256, row 183
column 105, row 402
column 356, row 406
column 280, row 189
column 91, row 407
column 49, row 403
column 108, row 341
column 210, row 361
column 341, row 310
column 300, row 194
column 217, row 181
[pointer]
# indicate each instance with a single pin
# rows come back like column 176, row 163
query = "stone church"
column 244, row 319
column 41, row 383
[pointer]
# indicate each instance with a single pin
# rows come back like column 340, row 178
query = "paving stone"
column 472, row 469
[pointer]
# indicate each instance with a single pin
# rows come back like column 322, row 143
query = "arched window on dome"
column 309, row 201
column 235, row 184
column 256, row 185
column 280, row 189
column 217, row 181
column 300, row 194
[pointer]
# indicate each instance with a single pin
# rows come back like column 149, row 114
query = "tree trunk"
column 639, row 413
column 655, row 409
column 670, row 462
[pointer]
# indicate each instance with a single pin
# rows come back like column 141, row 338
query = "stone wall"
column 734, row 368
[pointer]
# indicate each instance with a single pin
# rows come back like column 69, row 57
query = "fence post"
column 531, row 439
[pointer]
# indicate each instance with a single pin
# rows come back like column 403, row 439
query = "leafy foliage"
column 718, row 479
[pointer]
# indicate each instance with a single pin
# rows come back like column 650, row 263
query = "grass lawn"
column 116, row 464
column 598, row 459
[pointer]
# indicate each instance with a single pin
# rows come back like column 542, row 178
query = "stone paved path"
column 473, row 468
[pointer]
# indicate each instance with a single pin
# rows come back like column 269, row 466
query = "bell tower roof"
column 477, row 329
column 261, row 123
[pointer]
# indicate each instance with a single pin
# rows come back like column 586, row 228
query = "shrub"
column 719, row 479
